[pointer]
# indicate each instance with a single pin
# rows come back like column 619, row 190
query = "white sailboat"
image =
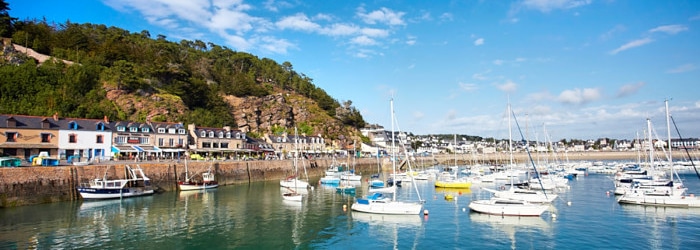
column 376, row 203
column 291, row 193
column 673, row 195
column 513, row 202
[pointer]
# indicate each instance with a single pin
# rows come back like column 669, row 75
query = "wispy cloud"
column 468, row 87
column 579, row 96
column 632, row 44
column 612, row 32
column 508, row 86
column 669, row 29
column 629, row 89
column 297, row 22
column 383, row 15
column 682, row 68
column 479, row 41
column 695, row 17
column 549, row 5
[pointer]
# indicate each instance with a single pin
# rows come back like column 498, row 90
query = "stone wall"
column 35, row 185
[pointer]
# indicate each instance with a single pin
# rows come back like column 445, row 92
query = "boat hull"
column 453, row 184
column 386, row 207
column 508, row 209
column 293, row 183
column 112, row 193
column 187, row 186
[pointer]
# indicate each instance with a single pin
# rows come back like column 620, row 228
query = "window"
column 121, row 128
column 238, row 135
column 214, row 145
column 145, row 130
column 203, row 134
column 211, row 134
column 171, row 131
column 73, row 125
column 180, row 142
column 224, row 145
column 72, row 138
column 11, row 136
column 221, row 134
column 120, row 140
column 100, row 127
column 161, row 142
column 181, row 131
column 279, row 139
column 143, row 140
column 161, row 130
column 206, row 145
column 133, row 129
column 228, row 135
column 45, row 137
column 171, row 142
column 100, row 139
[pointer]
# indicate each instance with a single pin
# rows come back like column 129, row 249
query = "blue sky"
column 582, row 69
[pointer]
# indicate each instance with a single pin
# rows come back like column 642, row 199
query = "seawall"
column 34, row 185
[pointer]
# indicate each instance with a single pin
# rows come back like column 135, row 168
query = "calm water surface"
column 255, row 217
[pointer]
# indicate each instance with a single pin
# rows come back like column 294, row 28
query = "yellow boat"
column 453, row 184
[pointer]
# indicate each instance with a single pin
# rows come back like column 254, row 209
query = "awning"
column 172, row 150
column 151, row 149
column 123, row 149
column 139, row 149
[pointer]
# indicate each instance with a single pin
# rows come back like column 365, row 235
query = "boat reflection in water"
column 510, row 225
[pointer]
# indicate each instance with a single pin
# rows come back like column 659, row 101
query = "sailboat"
column 511, row 202
column 672, row 195
column 208, row 181
column 376, row 203
column 451, row 180
column 292, row 185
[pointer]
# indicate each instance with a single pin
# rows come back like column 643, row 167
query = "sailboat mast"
column 393, row 148
column 668, row 131
column 651, row 145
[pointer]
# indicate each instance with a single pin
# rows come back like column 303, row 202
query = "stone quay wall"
column 36, row 185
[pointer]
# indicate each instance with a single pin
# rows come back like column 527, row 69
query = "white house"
column 84, row 138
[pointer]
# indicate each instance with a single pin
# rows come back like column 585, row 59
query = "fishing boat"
column 377, row 204
column 135, row 183
column 208, row 181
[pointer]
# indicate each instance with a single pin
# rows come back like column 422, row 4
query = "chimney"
column 55, row 116
column 106, row 119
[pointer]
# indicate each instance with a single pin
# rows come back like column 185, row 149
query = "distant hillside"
column 107, row 71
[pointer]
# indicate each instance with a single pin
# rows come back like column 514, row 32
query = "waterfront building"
column 133, row 140
column 84, row 139
column 217, row 142
column 170, row 138
column 23, row 136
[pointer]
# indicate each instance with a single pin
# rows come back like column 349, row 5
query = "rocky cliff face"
column 260, row 114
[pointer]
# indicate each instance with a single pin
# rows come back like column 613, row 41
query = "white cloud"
column 481, row 76
column 695, row 17
column 274, row 45
column 632, row 44
column 363, row 40
column 411, row 40
column 629, row 89
column 479, row 41
column 446, row 17
column 297, row 22
column 383, row 16
column 578, row 96
column 612, row 32
column 341, row 29
column 670, row 29
column 683, row 68
column 468, row 87
column 509, row 86
column 374, row 32
column 549, row 5
column 498, row 62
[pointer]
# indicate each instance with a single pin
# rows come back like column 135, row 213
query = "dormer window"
column 221, row 134
column 228, row 135
column 73, row 125
column 181, row 131
column 100, row 127
column 161, row 130
column 211, row 134
column 203, row 134
column 238, row 135
column 133, row 129
column 121, row 128
column 170, row 130
column 279, row 139
column 145, row 130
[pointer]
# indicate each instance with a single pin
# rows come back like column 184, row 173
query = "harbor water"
column 254, row 216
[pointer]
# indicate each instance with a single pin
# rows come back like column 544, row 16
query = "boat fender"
column 682, row 197
column 503, row 187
